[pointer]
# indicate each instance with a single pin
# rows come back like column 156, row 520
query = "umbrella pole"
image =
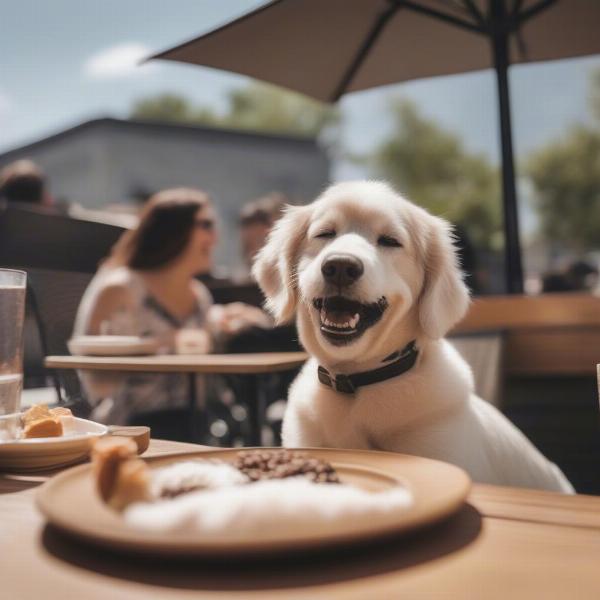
column 512, row 247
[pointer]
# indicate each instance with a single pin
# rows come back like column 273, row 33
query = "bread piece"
column 61, row 411
column 35, row 413
column 66, row 418
column 110, row 455
column 43, row 428
column 132, row 484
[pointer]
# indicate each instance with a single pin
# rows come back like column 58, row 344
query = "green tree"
column 432, row 167
column 171, row 107
column 566, row 180
column 263, row 107
column 565, row 174
column 594, row 98
column 256, row 107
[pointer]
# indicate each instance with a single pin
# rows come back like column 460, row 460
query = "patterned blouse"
column 115, row 397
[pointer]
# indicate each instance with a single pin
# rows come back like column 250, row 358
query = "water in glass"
column 12, row 312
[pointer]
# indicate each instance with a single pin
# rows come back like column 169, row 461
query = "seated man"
column 256, row 219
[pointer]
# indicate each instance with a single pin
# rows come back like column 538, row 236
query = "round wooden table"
column 505, row 543
column 251, row 365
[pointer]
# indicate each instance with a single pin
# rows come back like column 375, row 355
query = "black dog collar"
column 347, row 384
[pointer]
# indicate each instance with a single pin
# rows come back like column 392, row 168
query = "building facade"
column 109, row 161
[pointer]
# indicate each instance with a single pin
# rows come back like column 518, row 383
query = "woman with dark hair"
column 148, row 288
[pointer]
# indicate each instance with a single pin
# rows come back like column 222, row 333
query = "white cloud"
column 121, row 60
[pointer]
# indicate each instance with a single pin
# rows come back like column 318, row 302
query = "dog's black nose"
column 342, row 269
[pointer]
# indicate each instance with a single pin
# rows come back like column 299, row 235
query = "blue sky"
column 66, row 61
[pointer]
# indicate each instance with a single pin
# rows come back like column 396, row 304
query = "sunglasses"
column 205, row 224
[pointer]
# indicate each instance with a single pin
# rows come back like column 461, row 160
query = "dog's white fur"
column 430, row 410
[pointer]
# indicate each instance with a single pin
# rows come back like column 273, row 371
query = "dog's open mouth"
column 342, row 320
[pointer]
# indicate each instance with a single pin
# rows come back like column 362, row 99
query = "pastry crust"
column 120, row 478
column 40, row 421
column 44, row 427
column 61, row 411
column 35, row 413
column 132, row 484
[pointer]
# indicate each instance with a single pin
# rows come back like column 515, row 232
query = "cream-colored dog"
column 374, row 282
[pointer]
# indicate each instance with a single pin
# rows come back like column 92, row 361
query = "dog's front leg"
column 300, row 430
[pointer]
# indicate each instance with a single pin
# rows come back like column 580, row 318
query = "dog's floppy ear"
column 275, row 265
column 445, row 298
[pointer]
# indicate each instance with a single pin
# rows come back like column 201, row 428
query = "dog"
column 374, row 283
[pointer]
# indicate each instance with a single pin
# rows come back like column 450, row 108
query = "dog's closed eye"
column 328, row 233
column 388, row 241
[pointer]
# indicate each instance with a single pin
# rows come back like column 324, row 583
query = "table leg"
column 253, row 400
column 194, row 431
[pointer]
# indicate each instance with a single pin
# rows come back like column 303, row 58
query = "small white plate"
column 112, row 345
column 32, row 454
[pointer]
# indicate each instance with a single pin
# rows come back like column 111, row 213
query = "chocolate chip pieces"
column 279, row 464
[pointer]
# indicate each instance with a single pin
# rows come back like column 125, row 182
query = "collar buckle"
column 341, row 383
column 402, row 361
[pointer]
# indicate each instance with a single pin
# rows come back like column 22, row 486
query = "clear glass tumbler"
column 12, row 314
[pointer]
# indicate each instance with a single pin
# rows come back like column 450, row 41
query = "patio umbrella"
column 327, row 48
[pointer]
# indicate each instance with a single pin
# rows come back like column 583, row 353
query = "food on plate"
column 193, row 475
column 66, row 418
column 278, row 490
column 120, row 477
column 35, row 413
column 279, row 464
column 61, row 411
column 41, row 421
column 43, row 428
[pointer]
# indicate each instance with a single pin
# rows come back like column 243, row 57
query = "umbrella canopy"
column 327, row 48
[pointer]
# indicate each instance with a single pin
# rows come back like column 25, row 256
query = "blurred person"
column 582, row 275
column 148, row 288
column 256, row 220
column 578, row 276
column 24, row 182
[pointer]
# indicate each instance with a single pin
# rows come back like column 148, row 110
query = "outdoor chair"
column 55, row 298
column 60, row 255
column 32, row 237
column 549, row 349
column 483, row 352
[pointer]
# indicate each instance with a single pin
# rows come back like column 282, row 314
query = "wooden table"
column 252, row 364
column 505, row 544
column 263, row 362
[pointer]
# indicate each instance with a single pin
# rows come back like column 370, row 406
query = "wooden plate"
column 69, row 501
column 43, row 453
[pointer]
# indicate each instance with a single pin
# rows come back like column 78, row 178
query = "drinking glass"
column 12, row 313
